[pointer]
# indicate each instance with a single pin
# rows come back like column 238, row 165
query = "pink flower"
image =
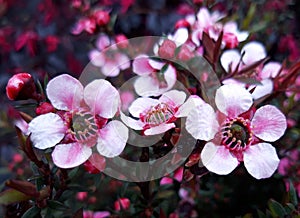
column 156, row 116
column 96, row 214
column 233, row 137
column 111, row 61
column 84, row 24
column 154, row 78
column 80, row 123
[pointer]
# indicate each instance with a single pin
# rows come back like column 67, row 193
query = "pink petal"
column 65, row 92
column 97, row 58
column 269, row 123
column 146, row 86
column 170, row 77
column 231, row 81
column 173, row 97
column 157, row 65
column 233, row 100
column 254, row 51
column 270, row 70
column 141, row 65
column 122, row 61
column 192, row 102
column 102, row 42
column 112, row 139
column 46, row 130
column 70, row 155
column 202, row 122
column 132, row 123
column 262, row 90
column 218, row 159
column 230, row 59
column 101, row 214
column 261, row 160
column 162, row 128
column 110, row 69
column 142, row 104
column 166, row 181
column 102, row 98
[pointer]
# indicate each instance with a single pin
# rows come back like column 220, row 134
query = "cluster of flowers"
column 78, row 120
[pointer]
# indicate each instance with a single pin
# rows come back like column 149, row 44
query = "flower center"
column 83, row 126
column 237, row 134
column 156, row 115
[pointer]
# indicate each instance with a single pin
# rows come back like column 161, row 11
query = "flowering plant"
column 153, row 126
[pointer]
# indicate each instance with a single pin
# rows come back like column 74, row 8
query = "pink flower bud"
column 21, row 87
column 231, row 40
column 182, row 23
column 185, row 53
column 122, row 41
column 102, row 17
column 44, row 108
column 17, row 158
column 81, row 196
column 167, row 49
column 122, row 204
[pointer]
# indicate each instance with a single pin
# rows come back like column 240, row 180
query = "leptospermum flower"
column 80, row 122
column 155, row 77
column 233, row 137
column 253, row 52
column 110, row 60
column 156, row 116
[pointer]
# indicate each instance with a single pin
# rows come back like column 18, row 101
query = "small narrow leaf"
column 56, row 205
column 32, row 212
column 293, row 195
column 11, row 196
column 277, row 210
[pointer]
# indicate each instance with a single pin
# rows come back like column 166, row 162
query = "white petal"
column 156, row 64
column 65, row 92
column 202, row 122
column 218, row 159
column 233, row 100
column 230, row 59
column 261, row 160
column 180, row 36
column 268, row 123
column 46, row 130
column 141, row 65
column 70, row 155
column 112, row 139
column 102, row 98
column 254, row 51
column 142, row 104
column 97, row 58
column 146, row 86
column 173, row 97
column 270, row 70
column 262, row 90
column 192, row 102
column 132, row 123
column 159, row 129
column 110, row 69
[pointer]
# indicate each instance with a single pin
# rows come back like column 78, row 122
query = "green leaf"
column 10, row 196
column 56, row 205
column 277, row 210
column 293, row 195
column 32, row 212
column 289, row 208
column 261, row 214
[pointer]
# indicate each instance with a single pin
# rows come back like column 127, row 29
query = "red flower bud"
column 122, row 204
column 102, row 17
column 21, row 87
column 198, row 2
column 182, row 23
column 185, row 53
column 231, row 41
column 167, row 49
column 44, row 108
column 122, row 41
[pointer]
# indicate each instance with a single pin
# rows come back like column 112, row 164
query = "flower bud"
column 44, row 108
column 21, row 87
column 167, row 49
column 102, row 17
column 231, row 41
column 122, row 41
column 182, row 23
column 122, row 204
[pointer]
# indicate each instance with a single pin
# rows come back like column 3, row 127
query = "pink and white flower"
column 110, row 60
column 233, row 136
column 80, row 122
column 253, row 52
column 156, row 116
column 155, row 77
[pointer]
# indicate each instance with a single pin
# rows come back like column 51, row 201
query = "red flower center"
column 156, row 115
